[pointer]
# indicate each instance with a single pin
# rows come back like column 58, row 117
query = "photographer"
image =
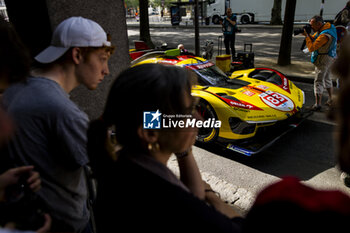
column 229, row 25
column 323, row 45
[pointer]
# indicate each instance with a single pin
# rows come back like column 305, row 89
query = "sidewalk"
column 298, row 71
column 239, row 198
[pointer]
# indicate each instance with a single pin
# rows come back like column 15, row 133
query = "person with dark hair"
column 50, row 129
column 323, row 45
column 343, row 17
column 229, row 27
column 14, row 67
column 15, row 59
column 136, row 191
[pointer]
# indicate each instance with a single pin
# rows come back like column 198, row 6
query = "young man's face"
column 93, row 68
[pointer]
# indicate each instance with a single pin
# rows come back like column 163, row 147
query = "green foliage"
column 153, row 3
column 132, row 3
column 156, row 3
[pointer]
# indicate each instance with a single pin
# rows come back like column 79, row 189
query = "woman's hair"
column 14, row 56
column 147, row 87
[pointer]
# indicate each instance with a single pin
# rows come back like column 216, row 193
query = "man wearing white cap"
column 51, row 129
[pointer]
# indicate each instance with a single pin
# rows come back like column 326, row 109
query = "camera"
column 307, row 28
column 22, row 207
column 236, row 29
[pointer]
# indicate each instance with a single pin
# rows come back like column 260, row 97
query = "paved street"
column 265, row 40
column 307, row 152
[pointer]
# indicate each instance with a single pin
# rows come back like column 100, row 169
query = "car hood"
column 259, row 101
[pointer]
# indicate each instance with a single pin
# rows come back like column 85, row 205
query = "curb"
column 239, row 198
column 163, row 25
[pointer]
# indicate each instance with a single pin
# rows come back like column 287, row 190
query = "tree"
column 167, row 3
column 287, row 32
column 144, row 23
column 132, row 3
column 276, row 13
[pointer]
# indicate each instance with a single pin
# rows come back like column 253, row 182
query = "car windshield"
column 210, row 75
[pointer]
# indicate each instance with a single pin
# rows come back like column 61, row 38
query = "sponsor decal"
column 277, row 101
column 240, row 104
column 249, row 93
column 237, row 103
column 199, row 66
column 183, row 58
column 170, row 62
column 263, row 87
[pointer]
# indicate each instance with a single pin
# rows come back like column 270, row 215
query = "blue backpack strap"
column 332, row 52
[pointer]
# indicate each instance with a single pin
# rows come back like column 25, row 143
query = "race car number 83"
column 277, row 101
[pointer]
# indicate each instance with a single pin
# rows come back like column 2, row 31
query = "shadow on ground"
column 304, row 152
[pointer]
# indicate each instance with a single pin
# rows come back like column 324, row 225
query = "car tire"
column 206, row 111
column 215, row 19
column 245, row 19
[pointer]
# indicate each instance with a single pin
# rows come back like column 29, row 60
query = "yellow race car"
column 249, row 103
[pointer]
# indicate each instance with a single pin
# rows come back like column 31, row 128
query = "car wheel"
column 215, row 19
column 206, row 111
column 245, row 19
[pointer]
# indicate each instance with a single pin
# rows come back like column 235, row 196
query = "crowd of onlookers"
column 52, row 156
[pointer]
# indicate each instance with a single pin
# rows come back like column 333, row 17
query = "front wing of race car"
column 266, row 136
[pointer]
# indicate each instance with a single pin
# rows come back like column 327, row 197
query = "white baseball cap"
column 73, row 32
